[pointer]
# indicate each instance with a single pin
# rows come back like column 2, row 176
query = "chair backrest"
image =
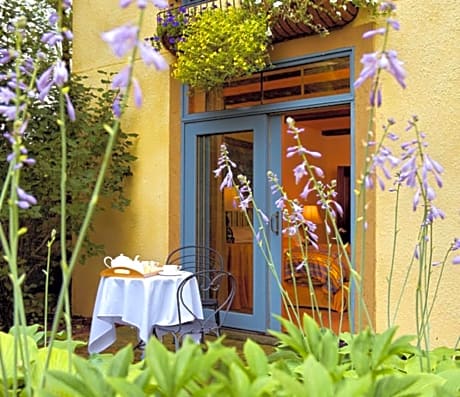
column 196, row 258
column 218, row 283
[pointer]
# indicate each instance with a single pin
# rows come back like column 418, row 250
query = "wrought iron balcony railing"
column 283, row 28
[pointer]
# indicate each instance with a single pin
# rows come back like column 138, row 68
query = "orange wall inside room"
column 335, row 151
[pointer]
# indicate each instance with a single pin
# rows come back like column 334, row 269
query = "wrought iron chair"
column 196, row 258
column 221, row 284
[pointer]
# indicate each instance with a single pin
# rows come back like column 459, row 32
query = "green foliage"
column 86, row 144
column 87, row 139
column 370, row 365
column 220, row 45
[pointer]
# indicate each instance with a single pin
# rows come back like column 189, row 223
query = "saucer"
column 162, row 273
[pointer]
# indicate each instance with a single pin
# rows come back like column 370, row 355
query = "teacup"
column 150, row 266
column 170, row 269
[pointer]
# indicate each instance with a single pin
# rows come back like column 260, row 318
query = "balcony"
column 282, row 29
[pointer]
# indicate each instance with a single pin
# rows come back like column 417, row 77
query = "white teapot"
column 123, row 261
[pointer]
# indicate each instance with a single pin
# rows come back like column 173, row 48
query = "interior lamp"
column 230, row 198
column 311, row 213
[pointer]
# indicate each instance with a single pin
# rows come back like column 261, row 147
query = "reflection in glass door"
column 316, row 279
column 212, row 216
column 220, row 222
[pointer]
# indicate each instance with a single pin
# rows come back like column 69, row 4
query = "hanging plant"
column 170, row 28
column 289, row 19
column 215, row 45
column 220, row 45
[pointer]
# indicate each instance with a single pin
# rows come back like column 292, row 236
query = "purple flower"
column 370, row 63
column 393, row 23
column 137, row 93
column 51, row 38
column 387, row 6
column 121, row 79
column 263, row 216
column 383, row 159
column 25, row 200
column 383, row 60
column 5, row 56
column 53, row 18
column 9, row 112
column 122, row 39
column 300, row 172
column 372, row 33
column 152, row 57
column 227, row 181
column 299, row 149
column 116, row 106
column 67, row 34
column 143, row 3
column 456, row 260
column 390, row 62
column 434, row 213
column 44, row 83
column 433, row 167
column 456, row 244
column 60, row 73
column 6, row 95
column 307, row 189
column 70, row 108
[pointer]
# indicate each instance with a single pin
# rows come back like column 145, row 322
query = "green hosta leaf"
column 256, row 358
column 32, row 331
column 293, row 338
column 408, row 385
column 239, row 382
column 360, row 352
column 355, row 387
column 402, row 346
column 288, row 384
column 121, row 362
column 313, row 335
column 263, row 386
column 93, row 378
column 452, row 377
column 175, row 372
column 160, row 362
column 59, row 361
column 10, row 366
column 125, row 388
column 64, row 384
column 443, row 358
column 329, row 355
column 317, row 380
column 187, row 363
column 380, row 347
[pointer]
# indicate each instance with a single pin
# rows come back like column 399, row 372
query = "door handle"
column 275, row 223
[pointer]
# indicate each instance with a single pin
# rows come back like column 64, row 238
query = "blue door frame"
column 269, row 157
column 266, row 300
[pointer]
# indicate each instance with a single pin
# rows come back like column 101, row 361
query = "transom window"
column 312, row 80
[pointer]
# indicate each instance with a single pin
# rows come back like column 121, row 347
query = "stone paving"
column 128, row 335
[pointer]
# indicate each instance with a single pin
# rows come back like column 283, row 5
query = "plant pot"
column 284, row 29
column 166, row 42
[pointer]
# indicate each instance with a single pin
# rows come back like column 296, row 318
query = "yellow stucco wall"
column 151, row 225
column 428, row 44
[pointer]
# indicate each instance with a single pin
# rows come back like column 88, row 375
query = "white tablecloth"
column 140, row 302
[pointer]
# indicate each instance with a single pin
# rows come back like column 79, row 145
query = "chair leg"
column 176, row 342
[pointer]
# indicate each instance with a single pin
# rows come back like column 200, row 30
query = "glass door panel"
column 220, row 223
column 211, row 217
column 326, row 130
